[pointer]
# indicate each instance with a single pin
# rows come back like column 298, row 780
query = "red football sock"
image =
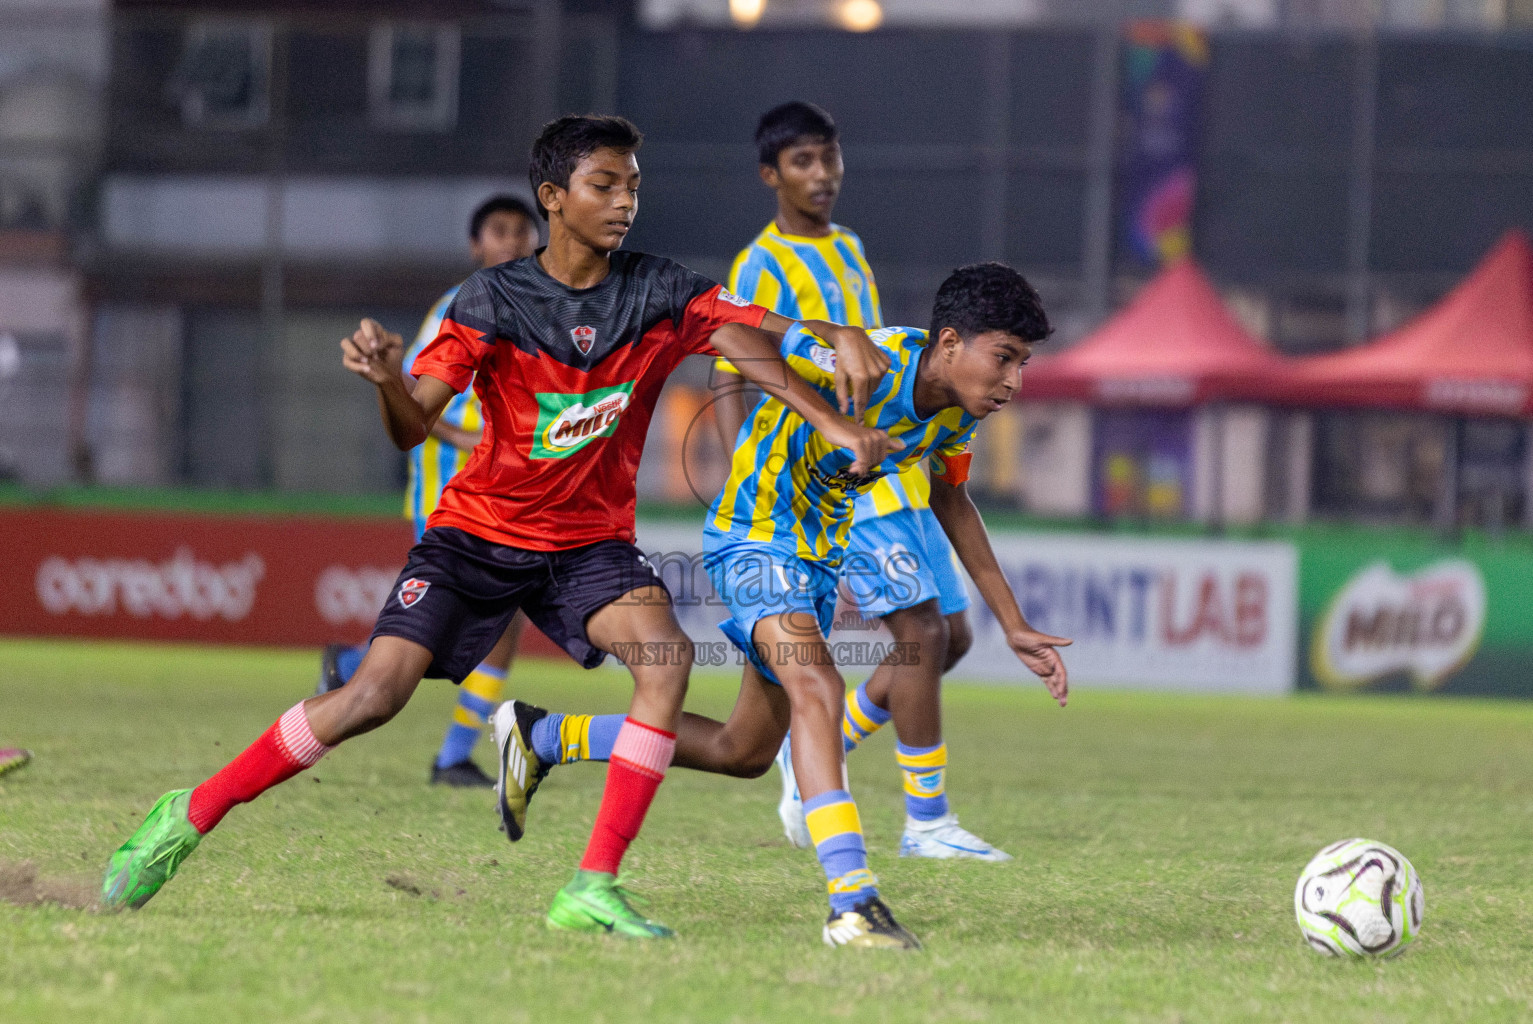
column 640, row 756
column 283, row 751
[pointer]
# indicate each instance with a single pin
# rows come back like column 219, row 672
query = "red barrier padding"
column 285, row 580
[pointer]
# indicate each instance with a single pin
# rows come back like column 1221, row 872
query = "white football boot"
column 791, row 807
column 943, row 839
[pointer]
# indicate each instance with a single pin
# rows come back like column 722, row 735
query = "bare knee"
column 661, row 669
column 922, row 630
column 756, row 761
column 748, row 764
column 743, row 747
column 960, row 637
column 931, row 633
column 816, row 693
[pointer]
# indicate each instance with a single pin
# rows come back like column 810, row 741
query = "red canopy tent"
column 1471, row 354
column 1175, row 345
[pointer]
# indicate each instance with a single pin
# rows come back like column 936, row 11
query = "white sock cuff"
column 296, row 738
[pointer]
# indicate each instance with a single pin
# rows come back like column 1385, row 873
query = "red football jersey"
column 568, row 379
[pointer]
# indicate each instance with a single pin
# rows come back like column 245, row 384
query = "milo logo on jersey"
column 567, row 423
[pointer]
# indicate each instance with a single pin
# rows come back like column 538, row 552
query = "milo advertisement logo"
column 567, row 423
column 1427, row 624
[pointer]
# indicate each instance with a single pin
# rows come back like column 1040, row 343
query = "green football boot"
column 151, row 855
column 595, row 902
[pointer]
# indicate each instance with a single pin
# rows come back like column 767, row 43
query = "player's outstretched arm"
column 860, row 364
column 961, row 522
column 410, row 407
column 755, row 352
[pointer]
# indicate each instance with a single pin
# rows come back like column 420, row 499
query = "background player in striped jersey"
column 502, row 229
column 899, row 566
column 774, row 541
column 802, row 265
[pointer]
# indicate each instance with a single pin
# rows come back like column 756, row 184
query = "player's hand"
column 373, row 353
column 860, row 368
column 1037, row 652
column 868, row 445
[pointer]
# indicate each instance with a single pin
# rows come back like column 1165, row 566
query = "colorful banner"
column 1392, row 611
column 1165, row 65
column 1142, row 463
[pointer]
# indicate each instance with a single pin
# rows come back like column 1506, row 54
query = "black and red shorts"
column 458, row 593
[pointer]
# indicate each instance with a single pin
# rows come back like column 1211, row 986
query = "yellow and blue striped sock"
column 564, row 739
column 862, row 718
column 925, row 772
column 836, row 831
column 477, row 697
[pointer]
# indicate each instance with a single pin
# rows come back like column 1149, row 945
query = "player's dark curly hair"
column 563, row 143
column 785, row 124
column 990, row 297
column 494, row 205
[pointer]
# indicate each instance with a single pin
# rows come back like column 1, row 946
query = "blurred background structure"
column 198, row 199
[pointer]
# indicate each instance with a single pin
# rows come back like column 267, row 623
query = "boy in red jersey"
column 567, row 351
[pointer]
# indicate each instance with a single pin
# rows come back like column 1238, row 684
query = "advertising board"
column 220, row 579
column 200, row 578
column 1337, row 608
column 1386, row 610
column 1191, row 615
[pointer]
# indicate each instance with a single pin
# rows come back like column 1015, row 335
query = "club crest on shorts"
column 584, row 338
column 412, row 590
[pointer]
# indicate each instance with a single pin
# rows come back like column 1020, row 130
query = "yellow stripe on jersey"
column 910, row 489
column 434, row 462
column 763, row 522
column 807, row 278
column 769, row 286
column 788, row 485
column 822, row 279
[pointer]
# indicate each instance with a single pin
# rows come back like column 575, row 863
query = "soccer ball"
column 1359, row 898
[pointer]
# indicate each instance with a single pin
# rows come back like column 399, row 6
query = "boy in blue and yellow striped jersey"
column 777, row 540
column 802, row 265
column 901, row 567
column 502, row 228
column 774, row 545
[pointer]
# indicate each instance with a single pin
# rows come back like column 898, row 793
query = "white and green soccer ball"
column 1359, row 898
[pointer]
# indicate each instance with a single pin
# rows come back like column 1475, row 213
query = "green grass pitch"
column 1157, row 840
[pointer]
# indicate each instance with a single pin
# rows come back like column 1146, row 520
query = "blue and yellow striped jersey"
column 809, row 278
column 434, row 462
column 788, row 486
column 823, row 279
